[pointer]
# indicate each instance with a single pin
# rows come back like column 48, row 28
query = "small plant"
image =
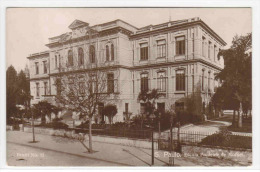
column 110, row 111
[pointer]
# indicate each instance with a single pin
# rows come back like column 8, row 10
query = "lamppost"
column 159, row 124
column 31, row 97
column 171, row 158
column 152, row 116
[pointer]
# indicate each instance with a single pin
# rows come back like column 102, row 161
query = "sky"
column 28, row 29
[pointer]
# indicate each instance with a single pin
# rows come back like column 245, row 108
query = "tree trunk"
column 90, row 135
column 234, row 118
column 240, row 116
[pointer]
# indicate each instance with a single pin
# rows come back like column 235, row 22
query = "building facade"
column 178, row 58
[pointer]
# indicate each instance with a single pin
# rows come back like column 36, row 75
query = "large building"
column 177, row 58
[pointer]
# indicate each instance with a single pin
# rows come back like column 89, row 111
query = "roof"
column 77, row 23
column 140, row 31
column 40, row 54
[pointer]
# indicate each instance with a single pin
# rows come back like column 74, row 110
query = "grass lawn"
column 246, row 126
column 232, row 141
column 226, row 118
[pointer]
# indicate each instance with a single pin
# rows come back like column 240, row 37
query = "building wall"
column 127, row 65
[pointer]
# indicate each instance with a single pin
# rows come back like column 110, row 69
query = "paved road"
column 20, row 155
column 58, row 151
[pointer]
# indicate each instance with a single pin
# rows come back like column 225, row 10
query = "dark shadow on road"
column 151, row 156
column 136, row 157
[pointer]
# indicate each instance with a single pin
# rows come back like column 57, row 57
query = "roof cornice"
column 181, row 26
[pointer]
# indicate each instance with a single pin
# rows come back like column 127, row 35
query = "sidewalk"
column 110, row 153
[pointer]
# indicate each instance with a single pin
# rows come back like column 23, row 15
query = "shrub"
column 225, row 139
column 119, row 125
column 59, row 125
column 85, row 125
column 56, row 124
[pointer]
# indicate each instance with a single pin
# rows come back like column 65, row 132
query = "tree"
column 110, row 111
column 83, row 83
column 194, row 104
column 236, row 76
column 24, row 88
column 11, row 92
column 149, row 99
column 128, row 116
column 41, row 109
column 82, row 92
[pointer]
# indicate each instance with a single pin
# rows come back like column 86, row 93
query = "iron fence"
column 124, row 132
column 194, row 138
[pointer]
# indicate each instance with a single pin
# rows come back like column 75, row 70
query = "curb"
column 186, row 126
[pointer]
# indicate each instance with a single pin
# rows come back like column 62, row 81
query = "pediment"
column 77, row 23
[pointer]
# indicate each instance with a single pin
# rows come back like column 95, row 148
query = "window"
column 161, row 48
column 144, row 51
column 71, row 86
column 192, row 80
column 142, row 108
column 37, row 90
column 58, row 86
column 44, row 66
column 203, row 107
column 180, row 45
column 70, row 58
column 80, row 56
column 36, row 68
column 56, row 61
column 144, row 82
column 110, row 83
column 100, row 111
column 161, row 107
column 93, row 84
column 92, row 54
column 215, row 49
column 126, row 107
column 107, row 53
column 112, row 52
column 81, row 87
column 161, row 81
column 203, row 47
column 179, row 106
column 193, row 43
column 209, row 82
column 209, row 50
column 45, row 88
column 202, row 81
column 180, row 80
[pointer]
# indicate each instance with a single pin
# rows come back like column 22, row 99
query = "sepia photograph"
column 145, row 87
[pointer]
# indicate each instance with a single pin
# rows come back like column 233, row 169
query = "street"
column 58, row 151
column 20, row 155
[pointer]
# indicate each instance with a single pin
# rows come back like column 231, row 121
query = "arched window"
column 110, row 83
column 92, row 54
column 80, row 56
column 112, row 52
column 107, row 53
column 70, row 58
